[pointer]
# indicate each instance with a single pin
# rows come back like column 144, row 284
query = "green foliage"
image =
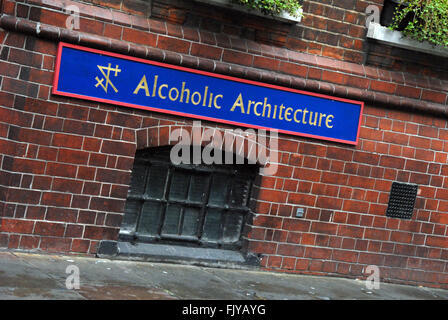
column 272, row 7
column 428, row 20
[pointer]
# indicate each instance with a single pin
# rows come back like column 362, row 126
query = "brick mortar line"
column 353, row 250
column 55, row 33
column 78, row 210
column 351, row 225
column 66, row 148
column 67, row 192
column 45, row 219
column 312, row 28
column 383, row 254
column 346, row 223
column 349, row 175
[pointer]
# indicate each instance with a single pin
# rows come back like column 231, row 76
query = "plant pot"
column 389, row 9
column 396, row 39
column 283, row 16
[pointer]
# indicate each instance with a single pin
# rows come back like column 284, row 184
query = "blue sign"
column 106, row 77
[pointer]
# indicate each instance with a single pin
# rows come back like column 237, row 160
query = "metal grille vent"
column 402, row 200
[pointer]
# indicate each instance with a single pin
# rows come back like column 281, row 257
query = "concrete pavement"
column 43, row 276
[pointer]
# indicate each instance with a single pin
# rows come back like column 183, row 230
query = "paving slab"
column 19, row 279
column 186, row 282
column 281, row 286
column 43, row 276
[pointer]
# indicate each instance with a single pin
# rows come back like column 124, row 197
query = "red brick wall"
column 401, row 59
column 65, row 163
column 345, row 192
column 333, row 28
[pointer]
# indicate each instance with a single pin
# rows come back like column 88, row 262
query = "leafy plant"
column 272, row 7
column 428, row 20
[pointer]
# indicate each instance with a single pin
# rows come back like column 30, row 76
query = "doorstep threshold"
column 175, row 254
